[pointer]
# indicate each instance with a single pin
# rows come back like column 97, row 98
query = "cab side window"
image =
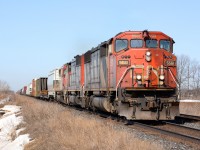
column 121, row 45
column 165, row 44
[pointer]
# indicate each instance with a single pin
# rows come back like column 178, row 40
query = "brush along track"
column 136, row 125
column 179, row 132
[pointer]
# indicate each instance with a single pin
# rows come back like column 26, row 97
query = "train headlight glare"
column 162, row 77
column 139, row 77
column 148, row 56
column 161, row 82
column 148, row 53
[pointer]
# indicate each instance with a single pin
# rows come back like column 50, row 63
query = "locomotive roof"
column 140, row 32
column 120, row 33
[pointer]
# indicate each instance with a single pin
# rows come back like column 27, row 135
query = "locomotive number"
column 123, row 62
column 170, row 63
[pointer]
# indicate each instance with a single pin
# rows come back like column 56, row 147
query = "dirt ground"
column 190, row 108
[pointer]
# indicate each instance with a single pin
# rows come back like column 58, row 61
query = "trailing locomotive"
column 132, row 74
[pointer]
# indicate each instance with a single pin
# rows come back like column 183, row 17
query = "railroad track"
column 184, row 132
column 167, row 128
column 168, row 132
column 197, row 118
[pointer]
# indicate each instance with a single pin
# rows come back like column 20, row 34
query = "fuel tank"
column 101, row 103
column 75, row 100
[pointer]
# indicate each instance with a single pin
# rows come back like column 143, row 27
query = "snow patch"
column 2, row 101
column 189, row 100
column 18, row 143
column 9, row 136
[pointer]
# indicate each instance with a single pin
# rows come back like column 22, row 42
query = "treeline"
column 4, row 87
column 188, row 71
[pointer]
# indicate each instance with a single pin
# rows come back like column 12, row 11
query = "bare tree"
column 188, row 72
column 4, row 87
column 196, row 79
column 194, row 72
column 183, row 62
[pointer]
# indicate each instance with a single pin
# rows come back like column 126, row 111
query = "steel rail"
column 169, row 133
column 181, row 126
column 190, row 117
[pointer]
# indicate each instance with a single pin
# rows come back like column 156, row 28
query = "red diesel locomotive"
column 132, row 75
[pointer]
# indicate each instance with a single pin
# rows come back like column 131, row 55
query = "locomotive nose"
column 150, row 66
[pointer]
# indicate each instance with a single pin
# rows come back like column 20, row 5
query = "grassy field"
column 54, row 127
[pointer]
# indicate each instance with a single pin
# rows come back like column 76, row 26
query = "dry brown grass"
column 55, row 127
column 2, row 95
column 190, row 108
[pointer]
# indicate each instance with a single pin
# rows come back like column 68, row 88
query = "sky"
column 37, row 36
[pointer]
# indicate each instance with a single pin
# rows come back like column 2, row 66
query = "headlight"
column 139, row 77
column 148, row 53
column 162, row 77
column 161, row 82
column 148, row 56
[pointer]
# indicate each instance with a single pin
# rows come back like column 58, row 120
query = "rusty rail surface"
column 181, row 126
column 192, row 139
column 190, row 117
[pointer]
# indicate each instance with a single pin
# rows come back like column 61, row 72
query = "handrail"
column 133, row 67
column 122, row 77
column 174, row 78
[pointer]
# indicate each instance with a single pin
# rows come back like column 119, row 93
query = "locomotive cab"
column 146, row 75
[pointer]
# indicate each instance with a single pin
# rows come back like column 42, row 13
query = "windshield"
column 151, row 43
column 136, row 43
column 165, row 44
column 121, row 45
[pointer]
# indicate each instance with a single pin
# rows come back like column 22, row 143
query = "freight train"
column 133, row 75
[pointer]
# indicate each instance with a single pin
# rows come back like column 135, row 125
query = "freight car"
column 133, row 75
column 54, row 83
column 40, row 88
column 29, row 89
